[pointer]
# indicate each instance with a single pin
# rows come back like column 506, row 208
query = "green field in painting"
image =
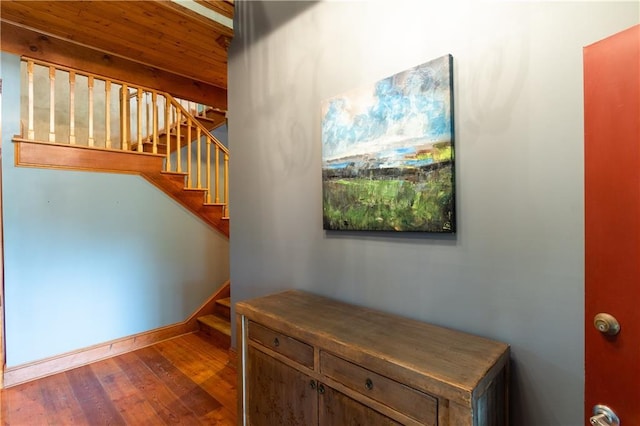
column 424, row 204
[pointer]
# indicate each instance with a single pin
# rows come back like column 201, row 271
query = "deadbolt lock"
column 606, row 324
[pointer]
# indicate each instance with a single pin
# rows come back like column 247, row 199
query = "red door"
column 612, row 224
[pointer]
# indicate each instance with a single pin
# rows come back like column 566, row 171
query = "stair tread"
column 201, row 117
column 224, row 302
column 217, row 323
column 173, row 173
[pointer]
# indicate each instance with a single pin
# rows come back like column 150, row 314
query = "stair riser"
column 194, row 197
column 179, row 180
column 223, row 311
column 217, row 336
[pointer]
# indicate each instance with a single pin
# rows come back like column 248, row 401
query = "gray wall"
column 91, row 257
column 514, row 271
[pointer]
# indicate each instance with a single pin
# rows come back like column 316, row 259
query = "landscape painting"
column 387, row 154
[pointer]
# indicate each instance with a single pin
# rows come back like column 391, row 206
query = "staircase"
column 167, row 141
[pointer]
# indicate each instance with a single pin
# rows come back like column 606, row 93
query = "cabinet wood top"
column 425, row 353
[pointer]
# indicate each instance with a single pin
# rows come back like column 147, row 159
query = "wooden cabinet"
column 279, row 394
column 309, row 360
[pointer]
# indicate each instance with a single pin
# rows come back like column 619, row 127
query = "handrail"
column 204, row 129
column 165, row 119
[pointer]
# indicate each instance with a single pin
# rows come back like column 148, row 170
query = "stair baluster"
column 167, row 129
column 216, row 178
column 189, row 180
column 139, row 120
column 198, row 160
column 208, row 170
column 107, row 114
column 31, row 134
column 179, row 141
column 154, row 100
column 52, row 102
column 72, row 107
column 124, row 116
column 90, row 89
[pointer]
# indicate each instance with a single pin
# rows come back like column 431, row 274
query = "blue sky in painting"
column 409, row 109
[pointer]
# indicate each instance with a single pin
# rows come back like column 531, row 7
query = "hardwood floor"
column 185, row 380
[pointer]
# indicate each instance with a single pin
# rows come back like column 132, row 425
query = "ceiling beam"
column 38, row 45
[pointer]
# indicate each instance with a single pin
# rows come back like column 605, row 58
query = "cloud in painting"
column 412, row 107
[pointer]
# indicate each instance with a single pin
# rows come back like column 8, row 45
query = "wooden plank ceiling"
column 155, row 43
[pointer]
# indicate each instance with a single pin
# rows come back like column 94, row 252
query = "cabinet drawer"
column 413, row 403
column 281, row 343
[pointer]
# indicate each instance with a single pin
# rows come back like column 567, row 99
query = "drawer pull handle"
column 368, row 384
column 312, row 383
column 321, row 388
column 276, row 342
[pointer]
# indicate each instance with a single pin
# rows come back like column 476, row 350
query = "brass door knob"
column 606, row 324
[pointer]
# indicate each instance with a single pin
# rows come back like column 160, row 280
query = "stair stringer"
column 209, row 306
column 192, row 199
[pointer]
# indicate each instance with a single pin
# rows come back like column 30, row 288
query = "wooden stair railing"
column 84, row 110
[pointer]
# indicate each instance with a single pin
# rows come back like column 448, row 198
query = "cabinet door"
column 278, row 394
column 337, row 409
